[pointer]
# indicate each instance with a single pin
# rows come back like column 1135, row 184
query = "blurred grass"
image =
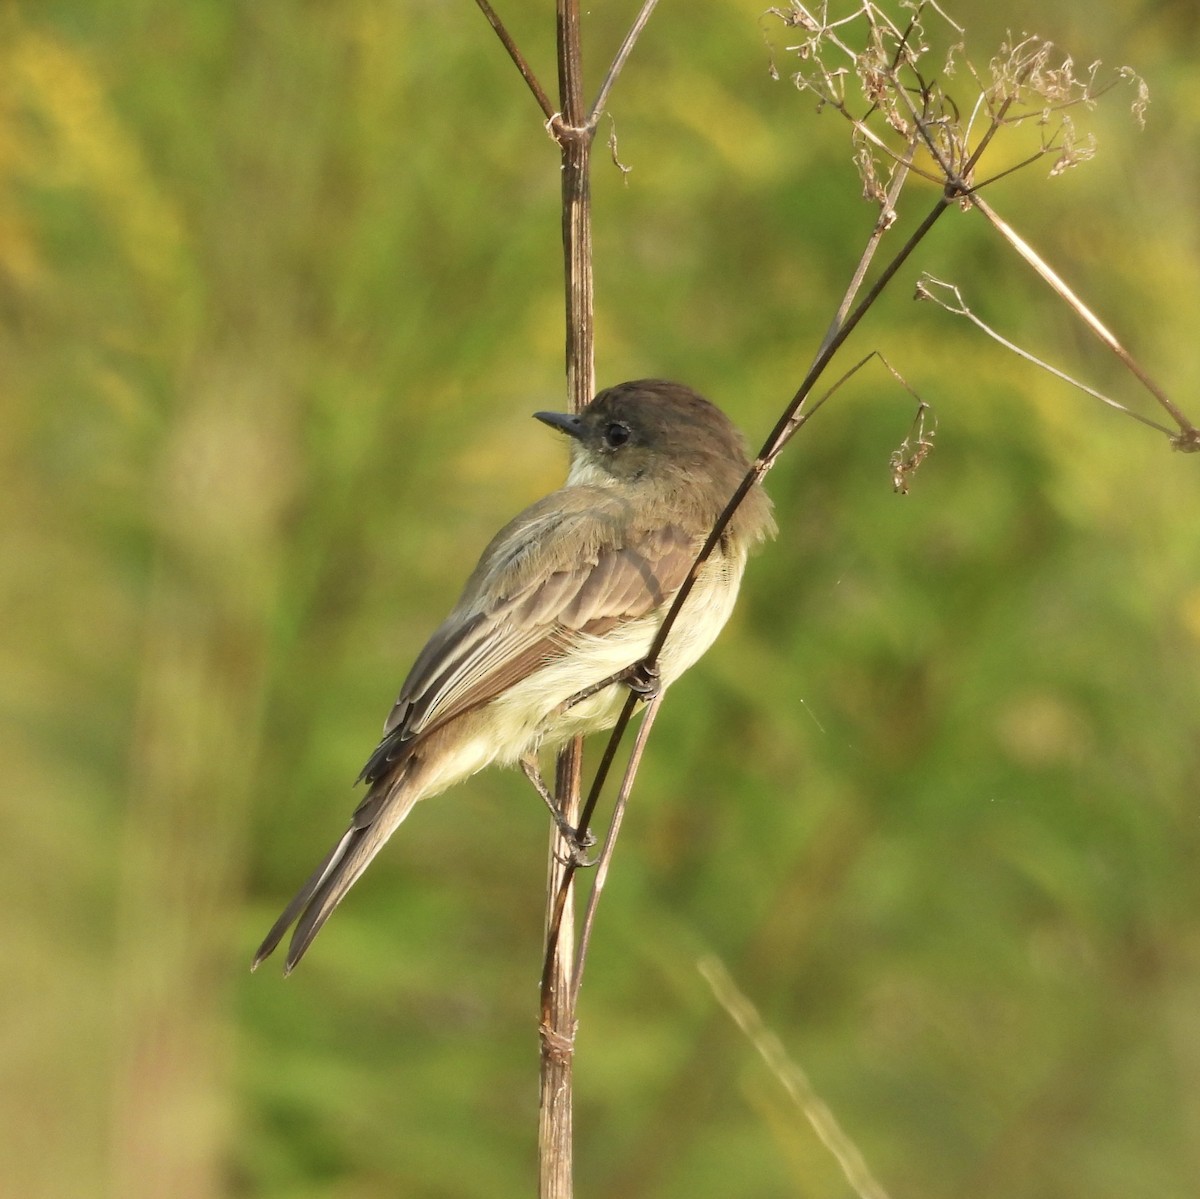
column 279, row 287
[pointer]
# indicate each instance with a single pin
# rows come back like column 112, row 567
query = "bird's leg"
column 579, row 840
column 642, row 678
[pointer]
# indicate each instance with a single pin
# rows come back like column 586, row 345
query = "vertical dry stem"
column 577, row 260
column 573, row 129
column 557, row 1024
column 557, row 1027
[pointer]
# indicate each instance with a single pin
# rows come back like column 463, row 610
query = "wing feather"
column 509, row 621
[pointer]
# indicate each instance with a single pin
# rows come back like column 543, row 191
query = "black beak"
column 564, row 422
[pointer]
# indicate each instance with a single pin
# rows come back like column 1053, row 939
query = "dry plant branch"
column 557, row 1021
column 792, row 1078
column 889, row 198
column 936, row 291
column 539, row 93
column 1187, row 438
column 574, row 131
column 610, row 840
column 618, row 62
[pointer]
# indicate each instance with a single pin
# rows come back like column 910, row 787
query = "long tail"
column 381, row 812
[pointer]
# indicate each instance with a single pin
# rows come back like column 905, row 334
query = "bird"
column 569, row 594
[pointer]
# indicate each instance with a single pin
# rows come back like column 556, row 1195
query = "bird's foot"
column 578, row 841
column 643, row 679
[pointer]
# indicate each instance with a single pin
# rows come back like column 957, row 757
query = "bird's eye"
column 616, row 434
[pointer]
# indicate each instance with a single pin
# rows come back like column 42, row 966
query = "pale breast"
column 533, row 712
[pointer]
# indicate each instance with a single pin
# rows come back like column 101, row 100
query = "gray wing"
column 600, row 572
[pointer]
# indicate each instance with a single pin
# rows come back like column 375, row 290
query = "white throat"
column 585, row 473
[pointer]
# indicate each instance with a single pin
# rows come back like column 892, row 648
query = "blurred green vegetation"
column 279, row 288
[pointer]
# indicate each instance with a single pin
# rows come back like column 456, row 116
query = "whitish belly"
column 530, row 713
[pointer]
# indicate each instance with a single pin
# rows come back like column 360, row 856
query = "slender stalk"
column 929, row 287
column 1089, row 318
column 618, row 62
column 793, row 1079
column 788, row 420
column 887, row 214
column 518, row 58
column 559, row 901
column 557, row 1025
column 610, row 840
column 606, row 760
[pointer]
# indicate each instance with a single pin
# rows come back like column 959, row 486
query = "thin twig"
column 1025, row 162
column 808, row 411
column 785, row 425
column 602, row 863
column 792, row 1078
column 927, row 289
column 887, row 212
column 618, row 62
column 887, row 217
column 606, row 760
column 1188, row 435
column 518, row 58
column 585, row 818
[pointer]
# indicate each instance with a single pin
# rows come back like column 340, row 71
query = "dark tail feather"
column 378, row 816
column 361, row 845
column 293, row 909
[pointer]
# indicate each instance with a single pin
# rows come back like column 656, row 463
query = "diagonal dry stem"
column 514, row 52
column 618, row 62
column 885, row 220
column 1188, row 437
column 935, row 290
column 614, row 827
column 792, row 1078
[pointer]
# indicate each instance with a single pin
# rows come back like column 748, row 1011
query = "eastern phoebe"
column 566, row 595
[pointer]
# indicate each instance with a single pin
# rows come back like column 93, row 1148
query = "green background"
column 279, row 288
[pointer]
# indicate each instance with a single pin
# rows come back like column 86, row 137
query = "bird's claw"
column 578, row 842
column 577, row 851
column 643, row 679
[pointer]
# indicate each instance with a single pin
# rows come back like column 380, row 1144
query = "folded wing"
column 592, row 586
